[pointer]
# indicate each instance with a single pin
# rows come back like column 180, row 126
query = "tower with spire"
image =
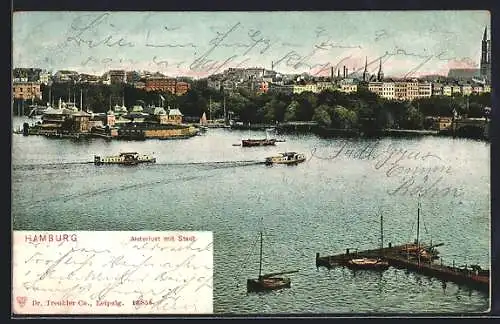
column 365, row 72
column 380, row 74
column 485, row 66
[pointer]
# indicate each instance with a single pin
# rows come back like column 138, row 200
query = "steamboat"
column 126, row 158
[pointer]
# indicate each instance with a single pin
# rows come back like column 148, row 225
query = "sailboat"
column 270, row 281
column 418, row 250
column 203, row 122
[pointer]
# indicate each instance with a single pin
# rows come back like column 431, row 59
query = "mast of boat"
column 81, row 99
column 224, row 109
column 50, row 96
column 381, row 231
column 418, row 228
column 260, row 257
column 210, row 108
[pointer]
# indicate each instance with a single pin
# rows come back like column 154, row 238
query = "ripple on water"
column 320, row 206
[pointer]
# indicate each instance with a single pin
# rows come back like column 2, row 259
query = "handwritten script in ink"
column 112, row 272
column 415, row 172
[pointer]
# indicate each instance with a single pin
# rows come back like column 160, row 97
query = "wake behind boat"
column 126, row 158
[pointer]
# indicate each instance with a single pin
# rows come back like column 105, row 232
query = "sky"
column 198, row 44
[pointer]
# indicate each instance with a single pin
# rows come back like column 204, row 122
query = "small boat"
column 203, row 125
column 419, row 250
column 126, row 158
column 270, row 281
column 368, row 264
column 258, row 142
column 286, row 158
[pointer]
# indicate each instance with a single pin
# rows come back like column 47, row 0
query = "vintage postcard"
column 219, row 163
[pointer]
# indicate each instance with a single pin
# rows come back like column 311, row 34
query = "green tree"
column 344, row 118
column 291, row 110
column 322, row 115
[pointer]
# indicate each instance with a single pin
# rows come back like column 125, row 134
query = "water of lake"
column 330, row 202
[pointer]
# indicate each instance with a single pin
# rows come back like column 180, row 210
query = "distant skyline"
column 198, row 44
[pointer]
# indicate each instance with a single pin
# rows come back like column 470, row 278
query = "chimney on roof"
column 344, row 72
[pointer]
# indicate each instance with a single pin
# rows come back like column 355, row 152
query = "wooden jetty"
column 477, row 278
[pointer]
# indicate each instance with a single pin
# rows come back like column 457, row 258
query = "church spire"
column 380, row 74
column 365, row 72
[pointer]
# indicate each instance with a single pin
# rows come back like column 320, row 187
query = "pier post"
column 347, row 251
column 317, row 258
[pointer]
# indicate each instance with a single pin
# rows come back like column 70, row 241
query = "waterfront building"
column 477, row 89
column 447, row 90
column 466, row 89
column 375, row 87
column 424, row 89
column 110, row 118
column 325, row 85
column 388, row 90
column 88, row 78
column 411, row 90
column 400, row 90
column 64, row 76
column 437, row 89
column 440, row 123
column 45, row 77
column 95, row 122
column 161, row 115
column 81, row 121
column 348, row 88
column 487, row 88
column 175, row 116
column 456, row 90
column 160, row 84
column 26, row 90
column 308, row 87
